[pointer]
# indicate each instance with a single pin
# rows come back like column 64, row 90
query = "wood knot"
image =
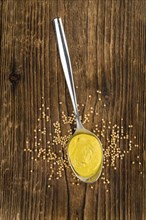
column 14, row 77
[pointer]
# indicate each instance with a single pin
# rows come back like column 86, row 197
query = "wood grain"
column 107, row 43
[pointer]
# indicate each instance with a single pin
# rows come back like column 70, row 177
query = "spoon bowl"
column 86, row 163
column 84, row 152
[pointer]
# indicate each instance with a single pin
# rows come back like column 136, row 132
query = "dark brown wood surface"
column 107, row 44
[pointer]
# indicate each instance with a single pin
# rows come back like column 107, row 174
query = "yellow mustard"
column 85, row 154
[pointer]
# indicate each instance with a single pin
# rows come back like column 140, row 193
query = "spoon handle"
column 66, row 64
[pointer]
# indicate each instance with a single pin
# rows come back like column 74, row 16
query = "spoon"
column 84, row 148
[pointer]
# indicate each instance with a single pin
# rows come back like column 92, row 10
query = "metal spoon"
column 66, row 65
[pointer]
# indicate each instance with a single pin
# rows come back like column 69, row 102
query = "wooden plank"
column 107, row 46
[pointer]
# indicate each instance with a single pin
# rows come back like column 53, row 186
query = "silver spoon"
column 82, row 158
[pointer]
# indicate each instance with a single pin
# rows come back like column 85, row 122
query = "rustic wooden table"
column 107, row 42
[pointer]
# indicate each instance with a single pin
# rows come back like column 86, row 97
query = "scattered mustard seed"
column 117, row 143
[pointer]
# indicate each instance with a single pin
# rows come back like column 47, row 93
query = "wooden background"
column 106, row 40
